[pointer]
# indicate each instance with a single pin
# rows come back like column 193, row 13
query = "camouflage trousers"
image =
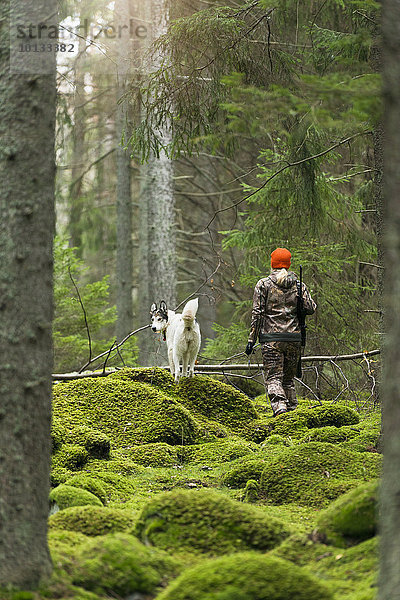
column 280, row 365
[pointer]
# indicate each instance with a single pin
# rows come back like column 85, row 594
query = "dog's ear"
column 164, row 309
column 153, row 308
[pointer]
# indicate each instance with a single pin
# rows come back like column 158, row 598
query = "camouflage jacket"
column 274, row 314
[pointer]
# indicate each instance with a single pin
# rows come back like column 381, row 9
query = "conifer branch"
column 287, row 166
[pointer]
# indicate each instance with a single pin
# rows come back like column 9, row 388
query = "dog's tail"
column 190, row 310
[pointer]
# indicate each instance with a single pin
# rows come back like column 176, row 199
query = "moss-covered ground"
column 194, row 491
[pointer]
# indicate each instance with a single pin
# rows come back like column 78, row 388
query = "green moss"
column 331, row 414
column 92, row 520
column 351, row 518
column 67, row 495
column 216, row 400
column 256, row 430
column 59, row 474
column 117, row 486
column 297, row 423
column 129, row 412
column 239, row 474
column 352, row 572
column 246, row 576
column 159, row 378
column 155, row 455
column 275, row 440
column 57, row 435
column 330, row 434
column 313, row 474
column 206, row 521
column 367, row 441
column 220, row 451
column 251, row 491
column 96, row 443
column 70, row 456
column 119, row 564
column 90, row 484
column 250, row 467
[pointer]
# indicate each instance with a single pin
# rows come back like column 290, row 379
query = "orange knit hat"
column 280, row 258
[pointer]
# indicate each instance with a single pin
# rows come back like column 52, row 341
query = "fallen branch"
column 203, row 369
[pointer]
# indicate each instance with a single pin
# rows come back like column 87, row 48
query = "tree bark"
column 124, row 267
column 78, row 154
column 157, row 204
column 389, row 582
column 27, row 171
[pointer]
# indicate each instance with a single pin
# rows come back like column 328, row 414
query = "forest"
column 153, row 155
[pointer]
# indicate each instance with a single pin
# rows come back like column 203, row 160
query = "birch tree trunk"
column 124, row 268
column 389, row 583
column 27, row 171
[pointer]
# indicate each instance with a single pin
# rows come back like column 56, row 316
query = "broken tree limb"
column 221, row 367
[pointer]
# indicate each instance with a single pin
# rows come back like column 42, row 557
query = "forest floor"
column 193, row 491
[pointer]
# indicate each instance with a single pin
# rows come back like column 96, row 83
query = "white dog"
column 182, row 334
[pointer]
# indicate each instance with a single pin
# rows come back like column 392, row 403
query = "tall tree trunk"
column 78, row 153
column 157, row 243
column 389, row 583
column 27, row 172
column 124, row 270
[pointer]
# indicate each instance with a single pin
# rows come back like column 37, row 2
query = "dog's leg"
column 191, row 368
column 177, row 369
column 171, row 361
column 185, row 365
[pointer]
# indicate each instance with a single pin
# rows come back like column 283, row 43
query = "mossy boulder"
column 250, row 467
column 296, row 423
column 352, row 518
column 216, row 400
column 119, row 564
column 329, row 434
column 129, row 412
column 208, row 522
column 115, row 486
column 71, row 457
column 96, row 443
column 314, row 474
column 246, row 576
column 65, row 496
column 92, row 520
column 57, row 435
column 220, row 451
column 155, row 455
column 90, row 484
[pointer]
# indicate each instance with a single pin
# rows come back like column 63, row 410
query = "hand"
column 249, row 348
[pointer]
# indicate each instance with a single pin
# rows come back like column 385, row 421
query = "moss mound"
column 155, row 455
column 246, row 576
column 295, row 424
column 251, row 467
column 160, row 378
column 96, row 443
column 71, row 457
column 120, row 564
column 313, row 474
column 90, row 484
column 220, row 451
column 65, row 496
column 217, row 401
column 92, row 520
column 352, row 518
column 129, row 412
column 206, row 521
